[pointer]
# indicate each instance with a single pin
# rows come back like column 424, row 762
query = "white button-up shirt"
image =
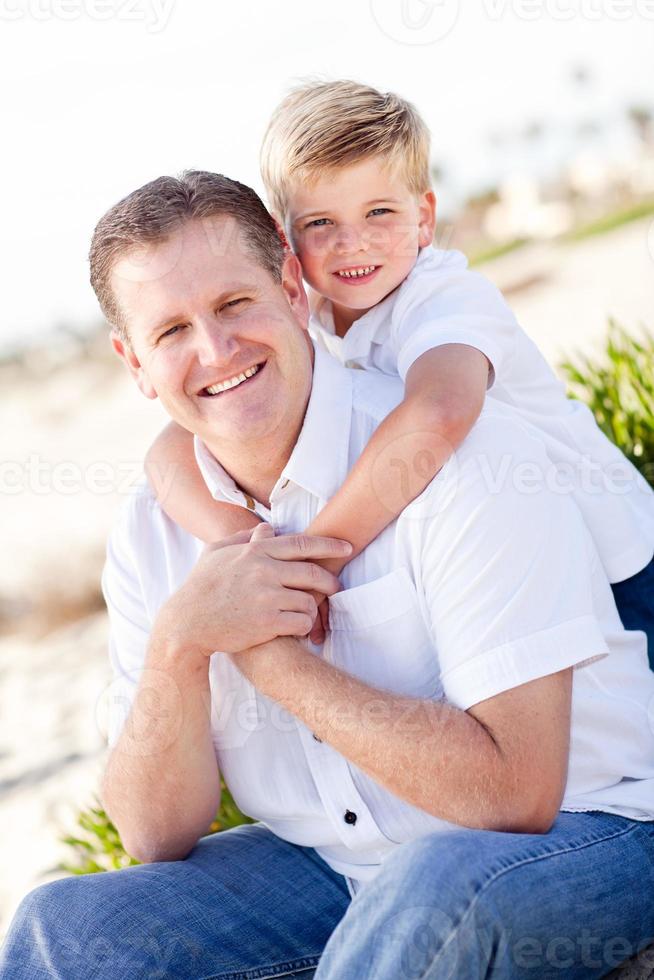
column 483, row 583
column 443, row 302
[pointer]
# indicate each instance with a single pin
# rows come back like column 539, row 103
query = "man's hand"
column 242, row 593
column 268, row 662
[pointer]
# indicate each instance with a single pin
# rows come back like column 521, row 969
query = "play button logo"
column 415, row 22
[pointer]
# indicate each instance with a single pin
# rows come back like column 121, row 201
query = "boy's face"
column 357, row 232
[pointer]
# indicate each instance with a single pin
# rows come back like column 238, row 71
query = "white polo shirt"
column 443, row 302
column 487, row 581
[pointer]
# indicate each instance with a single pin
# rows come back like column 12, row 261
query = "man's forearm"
column 428, row 753
column 162, row 786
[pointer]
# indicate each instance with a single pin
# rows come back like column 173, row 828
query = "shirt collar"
column 220, row 484
column 373, row 326
column 321, row 310
column 357, row 338
column 319, row 461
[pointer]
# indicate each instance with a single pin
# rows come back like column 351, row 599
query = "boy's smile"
column 357, row 232
column 357, row 275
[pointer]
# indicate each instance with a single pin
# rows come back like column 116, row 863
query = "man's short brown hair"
column 152, row 213
column 323, row 126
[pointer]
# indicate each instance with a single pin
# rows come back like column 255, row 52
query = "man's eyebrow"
column 230, row 292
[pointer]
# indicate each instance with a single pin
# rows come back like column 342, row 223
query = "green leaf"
column 618, row 387
column 101, row 849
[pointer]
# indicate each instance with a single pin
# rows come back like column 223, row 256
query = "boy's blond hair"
column 322, row 126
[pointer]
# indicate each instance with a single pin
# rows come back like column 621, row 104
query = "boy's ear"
column 427, row 225
column 133, row 365
column 293, row 286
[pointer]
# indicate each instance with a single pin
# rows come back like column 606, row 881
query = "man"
column 408, row 778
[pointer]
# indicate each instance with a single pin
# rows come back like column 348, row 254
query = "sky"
column 101, row 96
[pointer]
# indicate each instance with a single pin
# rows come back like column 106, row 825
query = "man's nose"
column 214, row 342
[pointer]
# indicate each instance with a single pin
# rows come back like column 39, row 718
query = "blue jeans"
column 635, row 601
column 245, row 904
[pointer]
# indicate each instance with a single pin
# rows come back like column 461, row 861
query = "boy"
column 346, row 169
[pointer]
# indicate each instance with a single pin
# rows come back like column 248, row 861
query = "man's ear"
column 124, row 351
column 294, row 288
column 427, row 225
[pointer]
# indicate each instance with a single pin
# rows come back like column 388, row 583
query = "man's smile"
column 234, row 382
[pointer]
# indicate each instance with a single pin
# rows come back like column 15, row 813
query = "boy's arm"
column 173, row 473
column 444, row 394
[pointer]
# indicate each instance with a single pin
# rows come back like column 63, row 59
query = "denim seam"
column 288, row 969
column 519, row 864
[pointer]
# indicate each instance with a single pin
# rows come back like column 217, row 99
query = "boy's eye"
column 380, row 211
column 317, row 223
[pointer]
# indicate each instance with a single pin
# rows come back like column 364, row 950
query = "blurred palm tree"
column 641, row 118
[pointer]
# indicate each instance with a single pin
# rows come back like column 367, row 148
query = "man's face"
column 214, row 336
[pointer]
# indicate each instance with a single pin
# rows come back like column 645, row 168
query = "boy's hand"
column 335, row 565
column 238, row 537
column 321, row 622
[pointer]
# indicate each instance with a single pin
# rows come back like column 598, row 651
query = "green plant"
column 619, row 390
column 98, row 847
column 496, row 251
column 608, row 222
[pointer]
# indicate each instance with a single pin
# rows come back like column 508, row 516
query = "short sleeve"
column 128, row 620
column 506, row 567
column 455, row 306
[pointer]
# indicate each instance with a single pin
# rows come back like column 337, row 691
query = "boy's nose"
column 349, row 240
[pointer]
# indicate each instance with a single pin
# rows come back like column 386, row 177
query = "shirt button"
column 316, row 737
column 350, row 817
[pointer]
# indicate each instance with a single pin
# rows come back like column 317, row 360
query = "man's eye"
column 234, row 302
column 171, row 330
column 380, row 211
column 317, row 223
